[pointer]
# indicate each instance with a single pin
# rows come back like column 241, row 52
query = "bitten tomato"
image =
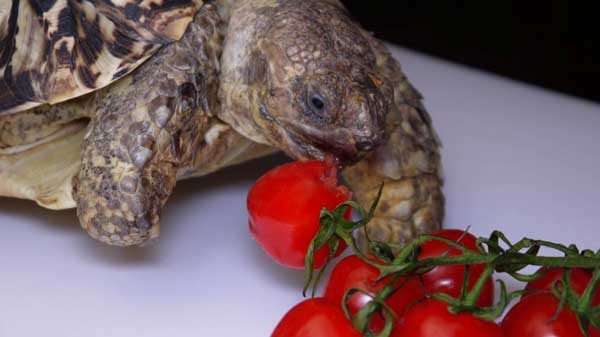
column 431, row 318
column 284, row 207
column 449, row 279
column 579, row 281
column 533, row 316
column 315, row 317
column 352, row 272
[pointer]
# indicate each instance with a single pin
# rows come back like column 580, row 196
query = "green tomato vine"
column 496, row 252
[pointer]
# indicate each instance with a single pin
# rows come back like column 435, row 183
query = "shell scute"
column 54, row 50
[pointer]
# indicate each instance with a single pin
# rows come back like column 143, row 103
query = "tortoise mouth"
column 307, row 142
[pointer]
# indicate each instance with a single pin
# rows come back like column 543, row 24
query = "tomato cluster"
column 409, row 303
column 535, row 315
column 284, row 208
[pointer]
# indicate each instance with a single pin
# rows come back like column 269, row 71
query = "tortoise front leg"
column 408, row 164
column 147, row 127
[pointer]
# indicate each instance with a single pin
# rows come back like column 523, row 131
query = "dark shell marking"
column 52, row 50
column 146, row 128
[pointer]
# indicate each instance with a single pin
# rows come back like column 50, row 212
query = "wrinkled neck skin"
column 243, row 29
column 281, row 55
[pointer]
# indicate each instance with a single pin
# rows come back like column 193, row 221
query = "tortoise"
column 104, row 105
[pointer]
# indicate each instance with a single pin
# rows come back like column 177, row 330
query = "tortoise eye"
column 317, row 103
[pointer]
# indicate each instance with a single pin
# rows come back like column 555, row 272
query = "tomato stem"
column 496, row 252
column 473, row 294
column 586, row 298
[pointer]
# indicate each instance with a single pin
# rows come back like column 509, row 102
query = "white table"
column 516, row 158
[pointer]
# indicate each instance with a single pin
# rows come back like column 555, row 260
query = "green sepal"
column 362, row 318
column 382, row 251
column 333, row 244
column 584, row 325
column 453, row 303
column 389, row 325
column 533, row 250
column 527, row 277
column 494, row 312
column 324, row 235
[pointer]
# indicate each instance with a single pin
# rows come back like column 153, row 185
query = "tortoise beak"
column 343, row 144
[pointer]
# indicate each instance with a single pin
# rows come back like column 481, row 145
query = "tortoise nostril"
column 365, row 145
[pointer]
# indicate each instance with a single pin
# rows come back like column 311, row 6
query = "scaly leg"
column 146, row 129
column 408, row 164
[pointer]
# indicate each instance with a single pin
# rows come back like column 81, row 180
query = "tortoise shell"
column 55, row 50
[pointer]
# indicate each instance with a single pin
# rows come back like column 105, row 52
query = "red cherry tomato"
column 533, row 316
column 449, row 279
column 315, row 317
column 352, row 272
column 431, row 318
column 579, row 281
column 284, row 207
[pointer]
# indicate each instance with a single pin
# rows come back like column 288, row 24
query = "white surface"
column 516, row 158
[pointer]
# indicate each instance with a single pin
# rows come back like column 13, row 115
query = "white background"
column 516, row 158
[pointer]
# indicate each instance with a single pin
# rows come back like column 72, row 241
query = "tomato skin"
column 580, row 278
column 431, row 318
column 352, row 272
column 315, row 317
column 533, row 316
column 284, row 207
column 449, row 279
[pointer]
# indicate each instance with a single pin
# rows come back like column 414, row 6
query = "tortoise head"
column 307, row 82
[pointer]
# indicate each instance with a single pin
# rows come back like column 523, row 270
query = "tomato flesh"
column 533, row 316
column 450, row 279
column 315, row 317
column 352, row 272
column 284, row 207
column 431, row 318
